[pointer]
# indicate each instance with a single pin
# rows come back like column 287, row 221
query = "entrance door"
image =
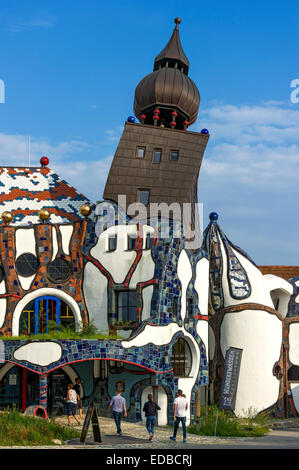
column 57, row 389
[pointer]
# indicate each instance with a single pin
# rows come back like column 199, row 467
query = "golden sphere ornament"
column 6, row 217
column 85, row 210
column 44, row 214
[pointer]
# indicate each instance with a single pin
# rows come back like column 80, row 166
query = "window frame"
column 144, row 151
column 174, row 151
column 154, row 152
column 126, row 308
column 139, row 191
column 179, row 358
column 112, row 237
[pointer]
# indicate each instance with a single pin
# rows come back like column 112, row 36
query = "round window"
column 26, row 264
column 59, row 270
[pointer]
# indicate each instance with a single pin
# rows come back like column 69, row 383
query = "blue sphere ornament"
column 131, row 119
column 204, row 131
column 213, row 216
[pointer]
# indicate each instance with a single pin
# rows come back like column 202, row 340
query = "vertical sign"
column 230, row 377
column 91, row 417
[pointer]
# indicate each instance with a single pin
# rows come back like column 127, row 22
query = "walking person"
column 79, row 390
column 150, row 408
column 180, row 406
column 71, row 404
column 118, row 405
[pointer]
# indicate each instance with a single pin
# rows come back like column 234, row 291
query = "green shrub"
column 229, row 425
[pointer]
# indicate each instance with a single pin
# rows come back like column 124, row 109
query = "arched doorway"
column 20, row 387
column 44, row 313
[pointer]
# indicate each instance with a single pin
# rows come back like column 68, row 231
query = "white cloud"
column 250, row 176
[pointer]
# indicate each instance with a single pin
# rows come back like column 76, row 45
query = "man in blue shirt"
column 118, row 405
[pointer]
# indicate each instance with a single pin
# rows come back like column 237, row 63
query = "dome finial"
column 177, row 20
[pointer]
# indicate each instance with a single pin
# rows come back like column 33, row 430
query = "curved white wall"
column 259, row 334
column 95, row 295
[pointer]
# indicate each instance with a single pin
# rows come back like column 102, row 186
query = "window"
column 59, row 270
column 131, row 243
column 157, row 156
column 116, row 367
column 26, row 265
column 143, row 196
column 112, row 243
column 140, row 152
column 149, row 241
column 126, row 306
column 44, row 314
column 174, row 155
column 181, row 358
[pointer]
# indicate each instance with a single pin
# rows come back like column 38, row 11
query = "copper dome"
column 168, row 94
column 167, row 88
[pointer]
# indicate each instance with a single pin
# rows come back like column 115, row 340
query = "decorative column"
column 43, row 390
column 173, row 122
column 156, row 116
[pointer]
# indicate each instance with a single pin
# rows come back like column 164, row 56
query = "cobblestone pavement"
column 136, row 436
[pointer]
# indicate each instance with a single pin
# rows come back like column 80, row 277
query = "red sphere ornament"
column 44, row 161
column 143, row 116
column 156, row 111
column 173, row 123
column 156, row 118
column 174, row 113
column 186, row 123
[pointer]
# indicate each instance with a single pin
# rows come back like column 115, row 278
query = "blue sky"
column 70, row 68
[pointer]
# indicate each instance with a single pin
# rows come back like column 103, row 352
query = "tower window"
column 174, row 155
column 112, row 243
column 140, row 152
column 157, row 156
column 143, row 196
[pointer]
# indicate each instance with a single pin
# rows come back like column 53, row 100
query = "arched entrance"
column 45, row 313
column 20, row 387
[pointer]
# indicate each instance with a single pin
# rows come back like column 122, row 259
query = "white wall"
column 259, row 334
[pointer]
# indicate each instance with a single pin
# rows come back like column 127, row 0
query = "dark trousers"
column 117, row 419
column 176, row 425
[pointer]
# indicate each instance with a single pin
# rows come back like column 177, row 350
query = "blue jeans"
column 117, row 418
column 176, row 425
column 150, row 424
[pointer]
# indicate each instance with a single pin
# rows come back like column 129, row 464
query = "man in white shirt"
column 180, row 406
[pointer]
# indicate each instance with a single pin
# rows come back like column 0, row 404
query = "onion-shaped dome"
column 169, row 90
column 167, row 96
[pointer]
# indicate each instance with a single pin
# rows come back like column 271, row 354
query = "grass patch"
column 228, row 425
column 20, row 430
